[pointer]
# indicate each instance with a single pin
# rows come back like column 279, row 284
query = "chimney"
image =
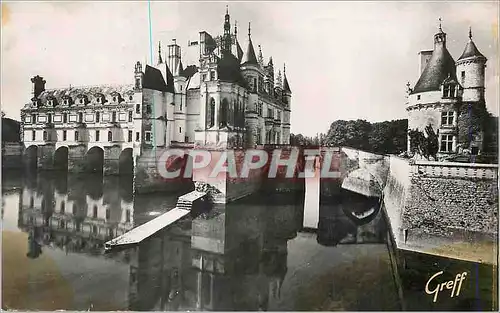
column 38, row 86
column 423, row 58
column 174, row 57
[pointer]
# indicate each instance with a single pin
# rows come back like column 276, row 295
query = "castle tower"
column 470, row 72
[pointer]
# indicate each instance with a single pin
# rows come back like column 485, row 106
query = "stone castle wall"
column 433, row 206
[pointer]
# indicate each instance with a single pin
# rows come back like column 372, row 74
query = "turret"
column 250, row 65
column 139, row 75
column 471, row 72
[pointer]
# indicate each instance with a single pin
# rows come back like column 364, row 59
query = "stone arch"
column 223, row 113
column 210, row 114
column 126, row 162
column 61, row 158
column 362, row 182
column 31, row 157
column 94, row 160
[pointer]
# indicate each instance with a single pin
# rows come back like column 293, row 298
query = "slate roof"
column 286, row 86
column 153, row 79
column 91, row 92
column 228, row 69
column 471, row 51
column 249, row 56
column 440, row 66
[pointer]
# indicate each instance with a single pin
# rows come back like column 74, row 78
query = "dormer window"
column 130, row 98
column 67, row 100
column 82, row 101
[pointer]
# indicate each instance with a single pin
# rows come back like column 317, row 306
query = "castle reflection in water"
column 229, row 258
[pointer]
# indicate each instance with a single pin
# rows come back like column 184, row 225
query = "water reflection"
column 249, row 255
column 234, row 258
column 74, row 213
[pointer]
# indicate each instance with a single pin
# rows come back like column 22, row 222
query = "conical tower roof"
column 249, row 57
column 471, row 49
column 441, row 65
column 286, row 86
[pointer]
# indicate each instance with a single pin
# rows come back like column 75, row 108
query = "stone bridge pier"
column 45, row 160
column 76, row 158
column 111, row 162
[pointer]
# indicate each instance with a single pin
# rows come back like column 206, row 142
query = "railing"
column 453, row 169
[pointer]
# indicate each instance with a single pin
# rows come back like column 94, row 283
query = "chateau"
column 229, row 97
column 445, row 90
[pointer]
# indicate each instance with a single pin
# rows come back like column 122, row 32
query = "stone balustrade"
column 453, row 169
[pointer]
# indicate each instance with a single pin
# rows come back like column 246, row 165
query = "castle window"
column 49, row 117
column 63, row 207
column 33, row 135
column 211, row 113
column 446, row 91
column 137, row 83
column 81, row 101
column 108, row 214
column 33, row 121
column 130, row 98
column 446, row 143
column 97, row 117
column 114, row 99
column 80, row 117
column 110, row 136
column 462, row 77
column 137, row 136
column 113, row 116
column 180, row 130
column 130, row 116
column 127, row 216
column 97, row 135
column 65, row 135
column 148, row 136
column 447, row 118
column 138, row 108
column 94, row 229
column 45, row 135
column 129, row 136
column 148, row 109
column 418, row 97
column 255, row 84
column 223, row 113
column 204, row 78
column 452, row 91
column 76, row 135
column 65, row 117
column 180, row 106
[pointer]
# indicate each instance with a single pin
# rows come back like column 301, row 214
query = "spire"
column 471, row 49
column 270, row 63
column 286, row 86
column 249, row 57
column 227, row 32
column 261, row 58
column 440, row 37
column 160, row 61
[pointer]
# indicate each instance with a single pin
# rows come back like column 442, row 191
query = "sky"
column 344, row 60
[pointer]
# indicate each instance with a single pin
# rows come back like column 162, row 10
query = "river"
column 253, row 254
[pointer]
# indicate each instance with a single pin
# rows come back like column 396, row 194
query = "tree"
column 425, row 146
